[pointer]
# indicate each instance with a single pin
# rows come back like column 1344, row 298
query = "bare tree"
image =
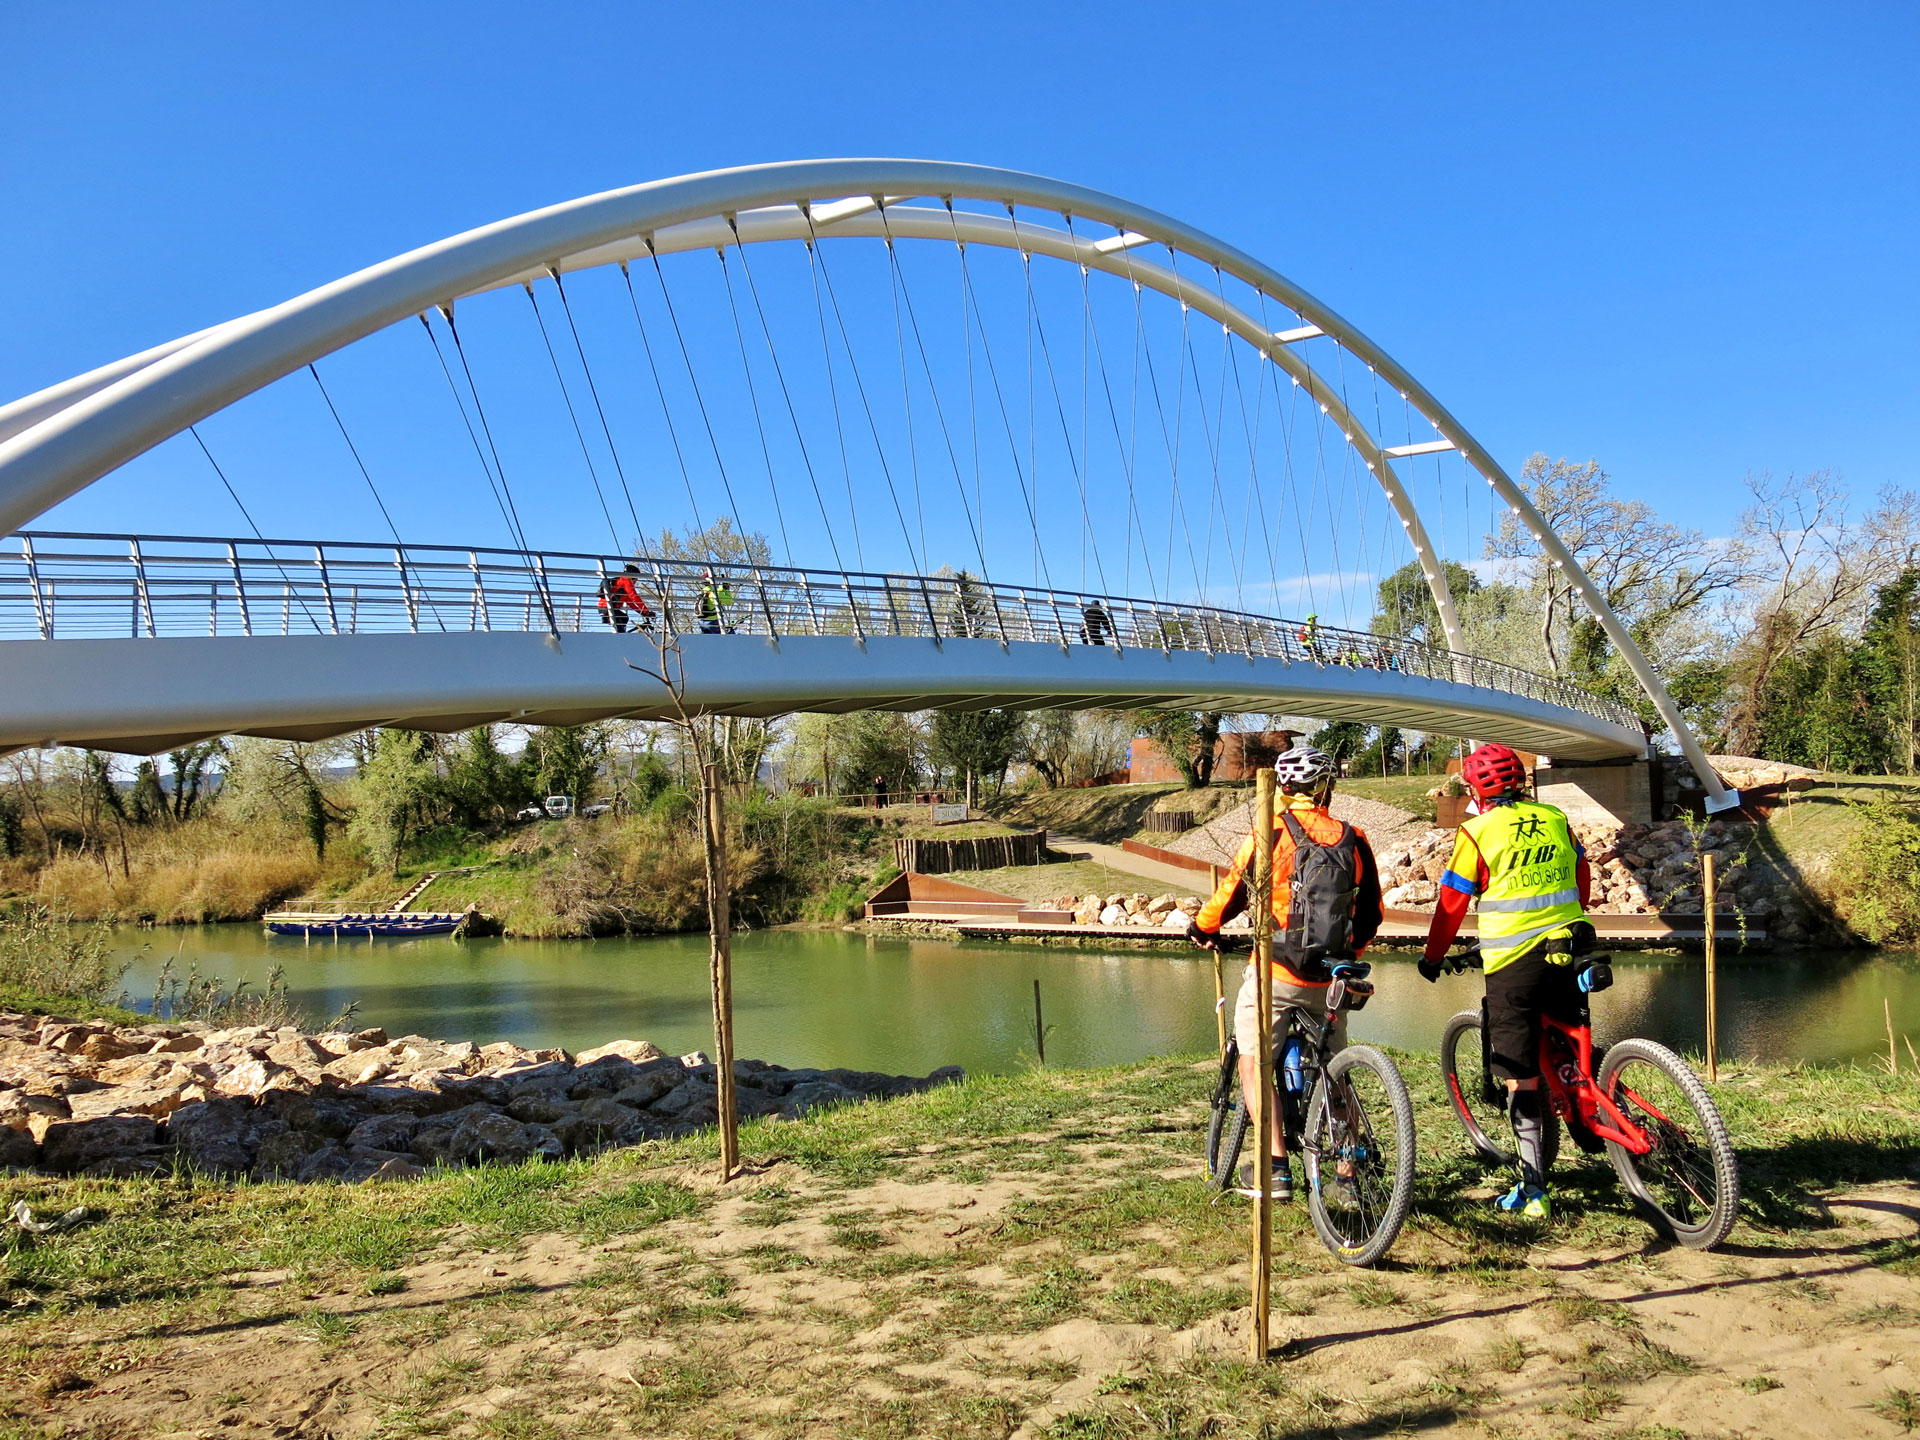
column 1809, row 571
column 1651, row 573
column 697, row 732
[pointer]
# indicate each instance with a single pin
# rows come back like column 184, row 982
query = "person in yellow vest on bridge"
column 1519, row 859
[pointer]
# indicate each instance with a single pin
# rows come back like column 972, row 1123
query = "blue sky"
column 1678, row 239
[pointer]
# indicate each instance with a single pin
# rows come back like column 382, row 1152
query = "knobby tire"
column 1488, row 1129
column 1360, row 1235
column 1688, row 1186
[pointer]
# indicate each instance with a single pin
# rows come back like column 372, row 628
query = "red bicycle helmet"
column 1492, row 771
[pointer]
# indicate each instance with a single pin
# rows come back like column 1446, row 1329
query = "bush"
column 44, row 958
column 1878, row 875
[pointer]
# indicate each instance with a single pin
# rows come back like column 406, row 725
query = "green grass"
column 1046, row 883
column 1408, row 792
column 30, row 1001
column 1134, row 1243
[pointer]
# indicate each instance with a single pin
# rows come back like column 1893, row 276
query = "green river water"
column 830, row 998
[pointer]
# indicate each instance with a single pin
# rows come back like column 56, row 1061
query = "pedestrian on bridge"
column 620, row 595
column 715, row 596
column 1095, row 624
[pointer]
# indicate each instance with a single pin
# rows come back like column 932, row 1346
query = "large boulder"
column 638, row 1051
column 72, row 1145
column 222, row 1135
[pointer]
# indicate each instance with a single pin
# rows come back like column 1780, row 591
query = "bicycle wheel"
column 1688, row 1184
column 1360, row 1120
column 1227, row 1124
column 1488, row 1127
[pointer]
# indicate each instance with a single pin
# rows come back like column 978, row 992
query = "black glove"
column 1197, row 936
column 1429, row 970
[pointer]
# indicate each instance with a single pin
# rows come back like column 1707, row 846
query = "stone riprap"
column 82, row 1097
column 1644, row 869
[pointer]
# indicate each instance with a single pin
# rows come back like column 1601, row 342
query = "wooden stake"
column 1039, row 1026
column 1713, row 987
column 1260, row 907
column 1893, row 1056
column 1220, row 1000
column 720, row 926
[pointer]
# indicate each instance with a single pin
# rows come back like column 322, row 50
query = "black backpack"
column 1324, row 887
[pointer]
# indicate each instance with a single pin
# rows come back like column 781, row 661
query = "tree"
column 1066, row 746
column 563, row 760
column 1653, row 575
column 282, row 780
column 483, row 786
column 1191, row 739
column 1890, row 662
column 1342, row 739
column 390, row 794
column 1809, row 571
column 882, row 744
column 1405, row 608
column 192, row 778
column 148, row 802
column 974, row 743
column 718, row 544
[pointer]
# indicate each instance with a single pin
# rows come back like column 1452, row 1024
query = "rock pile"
column 1640, row 870
column 96, row 1099
column 1137, row 909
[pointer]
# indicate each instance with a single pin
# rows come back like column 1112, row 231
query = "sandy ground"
column 791, row 1306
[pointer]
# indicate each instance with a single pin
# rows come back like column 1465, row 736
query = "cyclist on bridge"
column 1531, row 878
column 1326, row 907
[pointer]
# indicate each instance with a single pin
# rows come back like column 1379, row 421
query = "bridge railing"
column 63, row 585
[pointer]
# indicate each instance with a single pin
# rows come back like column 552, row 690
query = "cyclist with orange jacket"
column 1326, row 907
column 1519, row 861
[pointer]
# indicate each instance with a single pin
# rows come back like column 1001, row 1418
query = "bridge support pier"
column 1603, row 792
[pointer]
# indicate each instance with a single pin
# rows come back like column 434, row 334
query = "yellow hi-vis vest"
column 1532, row 883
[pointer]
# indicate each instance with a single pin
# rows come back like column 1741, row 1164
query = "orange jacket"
column 1230, row 900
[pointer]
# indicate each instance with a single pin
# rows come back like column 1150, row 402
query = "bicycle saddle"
column 1350, row 969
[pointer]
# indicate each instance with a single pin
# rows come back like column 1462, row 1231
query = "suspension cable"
column 686, row 359
column 392, row 529
column 660, row 389
column 1000, row 399
column 793, row 415
column 939, row 410
column 906, row 390
column 566, row 398
column 526, row 550
column 1175, row 509
column 753, row 398
column 860, row 388
column 1059, row 406
column 594, row 390
column 1113, row 414
column 507, row 518
column 1256, row 493
column 245, row 514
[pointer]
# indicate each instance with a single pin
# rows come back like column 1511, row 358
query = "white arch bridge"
column 139, row 643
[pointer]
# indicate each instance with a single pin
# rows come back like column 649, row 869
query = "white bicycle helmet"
column 1303, row 768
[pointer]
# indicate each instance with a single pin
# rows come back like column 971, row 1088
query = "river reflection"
column 832, row 998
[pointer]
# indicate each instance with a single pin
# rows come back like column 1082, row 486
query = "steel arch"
column 93, row 430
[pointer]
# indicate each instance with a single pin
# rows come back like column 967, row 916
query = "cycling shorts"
column 1286, row 996
column 1518, row 993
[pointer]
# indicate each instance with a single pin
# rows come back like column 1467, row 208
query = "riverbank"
column 104, row 1099
column 1026, row 1255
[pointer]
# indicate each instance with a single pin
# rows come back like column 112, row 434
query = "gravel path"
column 1388, row 827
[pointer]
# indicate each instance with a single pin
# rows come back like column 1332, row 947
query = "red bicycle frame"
column 1572, row 1092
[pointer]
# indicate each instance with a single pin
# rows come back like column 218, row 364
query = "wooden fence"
column 1169, row 821
column 986, row 852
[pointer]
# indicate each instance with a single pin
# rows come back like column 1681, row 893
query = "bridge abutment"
column 1604, row 792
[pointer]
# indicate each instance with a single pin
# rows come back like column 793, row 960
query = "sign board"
column 948, row 814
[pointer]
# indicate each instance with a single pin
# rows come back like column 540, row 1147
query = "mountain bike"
column 1635, row 1099
column 1345, row 1112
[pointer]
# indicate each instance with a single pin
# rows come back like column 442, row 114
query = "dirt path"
column 1035, row 1260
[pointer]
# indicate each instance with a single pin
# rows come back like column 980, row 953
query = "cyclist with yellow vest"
column 1519, row 859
